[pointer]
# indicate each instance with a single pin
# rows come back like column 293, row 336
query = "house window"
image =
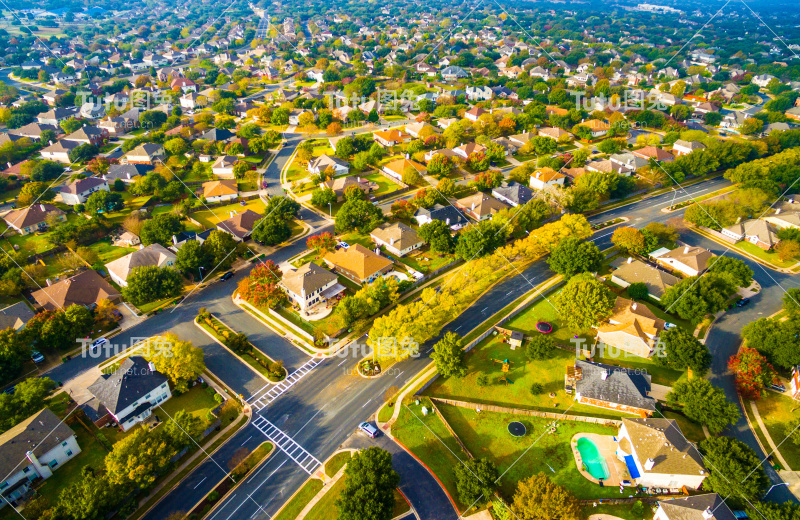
column 4, row 485
column 53, row 463
column 26, row 469
column 147, row 396
column 69, row 453
column 64, row 443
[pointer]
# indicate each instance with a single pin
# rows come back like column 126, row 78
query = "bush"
column 537, row 388
column 213, row 496
column 540, row 347
column 638, row 291
column 218, row 398
column 483, row 380
column 637, row 509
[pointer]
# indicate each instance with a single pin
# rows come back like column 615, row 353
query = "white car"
column 96, row 344
column 367, row 428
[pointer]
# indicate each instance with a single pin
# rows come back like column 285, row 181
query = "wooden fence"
column 532, row 413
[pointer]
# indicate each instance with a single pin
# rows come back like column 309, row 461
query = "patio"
column 607, row 448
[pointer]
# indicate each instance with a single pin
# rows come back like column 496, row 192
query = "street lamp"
column 774, row 486
column 201, row 269
column 330, row 209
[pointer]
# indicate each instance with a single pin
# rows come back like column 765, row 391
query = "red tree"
column 321, row 242
column 261, row 287
column 403, row 209
column 753, row 373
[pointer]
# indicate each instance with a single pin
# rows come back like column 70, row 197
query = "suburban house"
column 465, row 150
column 218, row 191
column 755, row 231
column 397, row 238
column 610, row 387
column 184, row 84
column 398, row 167
column 127, row 173
column 480, row 206
column 513, row 194
column 658, row 455
column 632, row 328
column 447, row 214
column 681, row 147
column 636, row 271
column 218, row 134
column 474, row 113
column 319, row 165
column 15, row 316
column 785, row 219
column 32, row 450
column 340, row 184
column 240, row 225
column 33, row 218
column 689, row 260
column 597, row 127
column 88, row 135
column 546, row 177
column 152, row 255
column 391, row 137
column 60, row 150
column 310, row 285
column 223, row 166
column 78, row 191
column 128, row 394
column 453, row 73
column 654, row 153
column 414, row 129
column 86, row 288
column 145, row 153
column 358, row 263
column 552, row 132
column 710, row 506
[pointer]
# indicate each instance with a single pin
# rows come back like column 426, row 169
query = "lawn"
column 149, row 307
column 36, row 242
column 358, row 238
column 300, row 500
column 385, row 185
column 131, row 204
column 209, row 218
column 323, row 509
column 337, row 462
column 59, row 404
column 327, row 325
column 623, row 511
column 198, row 401
column 108, row 252
column 204, row 175
column 92, row 454
column 426, row 261
column 756, row 251
column 779, row 412
column 544, row 310
column 549, row 373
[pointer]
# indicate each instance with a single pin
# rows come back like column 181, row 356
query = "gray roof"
column 691, row 508
column 515, row 192
column 15, row 316
column 126, row 171
column 82, row 185
column 443, row 213
column 131, row 381
column 40, row 433
column 307, row 279
column 624, row 386
column 656, row 280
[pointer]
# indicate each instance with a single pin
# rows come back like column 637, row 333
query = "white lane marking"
column 245, row 442
column 198, row 484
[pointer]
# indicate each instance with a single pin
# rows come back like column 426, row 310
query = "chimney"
column 232, row 213
column 447, row 221
column 41, row 207
column 604, row 374
column 473, row 207
column 686, row 250
column 630, row 259
column 777, row 211
column 391, row 241
column 633, row 306
column 649, row 464
column 151, row 366
column 708, row 514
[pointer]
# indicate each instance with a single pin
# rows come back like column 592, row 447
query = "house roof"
column 656, row 280
column 146, row 150
column 240, row 224
column 225, row 161
column 652, row 152
column 323, row 161
column 128, row 383
column 692, row 508
column 31, row 216
column 40, row 433
column 126, row 171
column 662, row 441
column 220, row 188
column 596, row 125
column 552, row 132
column 85, row 288
column 152, row 255
column 691, row 145
column 359, row 260
column 547, row 174
column 217, row 134
column 82, row 185
column 621, row 386
column 515, row 192
column 398, row 234
column 307, row 279
column 62, row 146
column 471, row 148
column 755, row 227
column 399, row 166
column 392, row 135
column 447, row 214
column 481, row 204
column 695, row 257
column 15, row 316
column 340, row 184
column 634, row 319
column 475, row 111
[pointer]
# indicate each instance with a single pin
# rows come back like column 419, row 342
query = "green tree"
column 271, row 230
column 682, row 350
column 28, row 398
column 176, row 146
column 178, row 360
column 321, row 197
column 734, row 470
column 739, row 272
column 437, row 234
column 448, row 353
column 584, row 301
column 704, row 403
column 695, row 297
column 573, row 256
column 476, row 480
column 89, row 497
column 137, row 459
column 220, row 247
column 370, row 482
column 539, row 347
column 638, row 290
column 104, row 201
column 160, row 229
column 71, row 125
column 150, row 283
column 538, row 498
column 358, row 214
column 191, row 257
column 478, row 241
column 285, row 208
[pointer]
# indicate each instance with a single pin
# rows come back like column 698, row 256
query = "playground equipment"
column 505, row 368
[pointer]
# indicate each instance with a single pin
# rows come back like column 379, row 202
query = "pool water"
column 590, row 455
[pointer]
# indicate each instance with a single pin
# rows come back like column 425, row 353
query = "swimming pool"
column 590, row 455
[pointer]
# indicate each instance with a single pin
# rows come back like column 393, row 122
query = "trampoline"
column 516, row 428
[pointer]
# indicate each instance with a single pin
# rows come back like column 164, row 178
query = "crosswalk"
column 286, row 444
column 268, row 393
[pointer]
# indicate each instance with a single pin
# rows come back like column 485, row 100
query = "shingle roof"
column 398, row 234
column 152, row 255
column 81, row 185
column 359, row 260
column 656, row 280
column 695, row 257
column 240, row 224
column 481, row 204
column 515, row 192
column 443, row 213
column 692, row 508
column 15, row 316
column 85, row 288
column 219, row 188
column 32, row 215
column 623, row 386
column 126, row 171
column 131, row 381
column 40, row 433
column 662, row 441
column 308, row 278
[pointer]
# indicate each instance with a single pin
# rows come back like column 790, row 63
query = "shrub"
column 218, row 398
column 638, row 291
column 537, row 388
column 483, row 380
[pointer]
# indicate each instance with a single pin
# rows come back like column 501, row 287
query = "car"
column 544, row 327
column 10, row 390
column 226, row 276
column 778, row 388
column 368, row 429
column 96, row 344
column 743, row 302
column 669, row 325
column 37, row 356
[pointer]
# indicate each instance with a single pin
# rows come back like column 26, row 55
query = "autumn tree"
column 753, row 373
column 178, row 360
column 629, row 240
column 261, row 287
column 321, row 243
column 538, row 498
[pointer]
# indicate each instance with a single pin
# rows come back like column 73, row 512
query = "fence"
column 532, row 413
column 209, row 205
column 396, row 193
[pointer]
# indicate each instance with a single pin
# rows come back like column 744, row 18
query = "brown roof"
column 399, row 166
column 483, row 204
column 358, row 260
column 40, row 433
column 240, row 224
column 695, row 257
column 397, row 234
column 656, row 280
column 340, row 184
column 662, row 441
column 85, row 288
column 392, row 135
column 307, row 279
column 219, row 188
column 596, row 124
column 651, row 152
column 551, row 109
column 30, row 216
column 634, row 319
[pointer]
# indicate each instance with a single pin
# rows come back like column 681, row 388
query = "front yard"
column 779, row 413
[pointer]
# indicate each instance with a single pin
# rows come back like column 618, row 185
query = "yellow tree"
column 176, row 359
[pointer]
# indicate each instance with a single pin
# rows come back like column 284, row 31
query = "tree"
column 321, row 197
column 704, row 403
column 13, row 353
column 240, row 169
column 220, row 247
column 150, row 283
column 437, row 234
column 734, row 470
column 539, row 347
column 448, row 353
column 538, row 498
column 573, row 256
column 261, row 287
column 638, row 291
column 71, row 125
column 584, row 301
column 334, row 129
column 191, row 257
column 478, row 241
column 681, row 350
column 440, row 166
column 370, row 482
column 182, row 429
column 751, row 126
column 358, row 214
column 321, row 243
column 736, row 269
column 697, row 296
column 787, row 249
column 178, row 360
column 160, row 229
column 403, row 210
column 476, row 480
column 753, row 373
column 284, row 207
column 629, row 240
column 271, row 230
column 90, row 497
column 137, row 459
column 104, row 201
column 176, row 146
column 28, row 398
column 34, row 191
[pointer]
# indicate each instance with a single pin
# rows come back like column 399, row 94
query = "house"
column 311, row 285
column 340, row 185
column 240, row 225
column 546, row 177
column 15, row 316
column 689, row 260
column 392, row 137
column 223, row 166
column 597, row 127
column 553, row 132
column 60, row 150
column 78, row 191
column 755, row 231
column 709, row 506
column 319, row 165
column 479, row 93
column 424, row 68
column 190, row 100
column 447, row 214
column 784, row 219
column 86, row 288
column 733, row 120
column 127, row 173
column 184, row 84
column 794, row 382
column 632, row 328
column 92, row 111
column 152, row 255
column 218, row 134
column 627, row 163
column 513, row 194
column 453, row 73
column 658, row 455
column 397, row 238
column 654, row 153
column 127, row 239
column 414, row 129
column 465, row 150
column 681, row 147
column 54, row 116
column 474, row 113
column 34, row 130
column 145, row 153
column 218, row 191
column 33, row 218
column 358, row 263
column 610, row 387
column 128, row 394
column 32, row 450
column 636, row 271
column 398, row 167
column 762, row 80
column 480, row 206
column 88, row 135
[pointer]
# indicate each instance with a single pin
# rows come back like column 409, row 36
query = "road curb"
column 259, row 374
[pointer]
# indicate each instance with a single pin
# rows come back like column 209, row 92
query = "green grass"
column 779, row 413
column 358, row 238
column 400, row 505
column 92, row 454
column 59, row 403
column 767, row 256
column 300, row 500
column 108, row 252
column 327, row 325
column 544, row 310
column 385, row 185
column 198, row 401
column 337, row 462
column 385, row 413
column 426, row 261
column 327, row 504
column 619, row 510
column 253, row 359
column 209, row 218
column 149, row 307
column 37, row 242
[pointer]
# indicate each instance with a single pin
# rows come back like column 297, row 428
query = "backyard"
column 209, row 218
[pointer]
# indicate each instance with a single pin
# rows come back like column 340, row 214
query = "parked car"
column 367, row 428
column 96, row 344
column 778, row 388
column 37, row 356
column 669, row 325
column 227, row 276
column 743, row 302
